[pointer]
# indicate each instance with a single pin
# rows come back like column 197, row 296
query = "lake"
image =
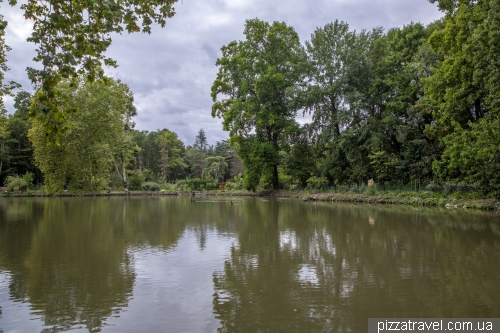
column 166, row 264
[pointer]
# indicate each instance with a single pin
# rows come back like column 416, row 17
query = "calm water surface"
column 161, row 264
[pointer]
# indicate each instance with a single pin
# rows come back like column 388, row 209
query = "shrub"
column 371, row 187
column 150, row 186
column 168, row 186
column 135, row 180
column 17, row 183
column 315, row 182
column 197, row 184
column 434, row 187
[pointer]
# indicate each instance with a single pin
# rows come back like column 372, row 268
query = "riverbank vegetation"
column 412, row 109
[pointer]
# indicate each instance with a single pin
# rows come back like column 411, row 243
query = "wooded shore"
column 487, row 204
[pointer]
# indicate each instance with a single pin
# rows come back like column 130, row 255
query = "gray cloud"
column 171, row 70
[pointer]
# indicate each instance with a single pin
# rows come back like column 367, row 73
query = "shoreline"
column 485, row 204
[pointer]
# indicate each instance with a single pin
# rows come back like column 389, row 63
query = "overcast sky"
column 171, row 70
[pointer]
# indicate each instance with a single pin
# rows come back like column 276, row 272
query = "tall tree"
column 340, row 73
column 201, row 142
column 399, row 147
column 84, row 158
column 255, row 80
column 195, row 155
column 464, row 92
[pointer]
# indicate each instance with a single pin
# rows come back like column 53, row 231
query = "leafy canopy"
column 84, row 158
column 72, row 37
column 255, row 84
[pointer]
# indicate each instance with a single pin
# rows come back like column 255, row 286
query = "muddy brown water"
column 166, row 264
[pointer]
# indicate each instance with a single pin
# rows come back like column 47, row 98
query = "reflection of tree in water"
column 257, row 291
column 72, row 258
column 324, row 268
column 17, row 224
column 78, row 270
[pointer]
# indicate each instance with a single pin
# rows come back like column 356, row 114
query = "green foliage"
column 253, row 94
column 464, row 85
column 299, row 161
column 463, row 93
column 197, row 184
column 28, row 178
column 235, row 184
column 195, row 159
column 72, row 37
column 5, row 89
column 19, row 183
column 149, row 186
column 16, row 151
column 383, row 165
column 170, row 152
column 135, row 180
column 4, row 139
column 216, row 167
column 84, row 157
column 317, row 182
column 474, row 155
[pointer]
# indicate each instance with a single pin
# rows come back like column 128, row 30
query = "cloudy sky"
column 171, row 70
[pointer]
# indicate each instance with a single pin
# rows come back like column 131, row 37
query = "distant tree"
column 170, row 152
column 21, row 149
column 4, row 137
column 195, row 159
column 200, row 142
column 253, row 94
column 125, row 149
column 196, row 154
column 216, row 167
column 224, row 149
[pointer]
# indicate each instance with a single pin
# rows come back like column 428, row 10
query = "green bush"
column 168, row 186
column 197, row 184
column 135, row 180
column 434, row 187
column 315, row 182
column 150, row 186
column 18, row 183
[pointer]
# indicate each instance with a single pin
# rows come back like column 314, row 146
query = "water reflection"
column 327, row 268
column 167, row 264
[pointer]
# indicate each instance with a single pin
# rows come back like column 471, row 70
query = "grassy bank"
column 421, row 199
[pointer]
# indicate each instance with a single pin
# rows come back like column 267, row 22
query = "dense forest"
column 413, row 105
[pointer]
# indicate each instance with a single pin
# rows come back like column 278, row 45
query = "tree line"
column 100, row 149
column 417, row 104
